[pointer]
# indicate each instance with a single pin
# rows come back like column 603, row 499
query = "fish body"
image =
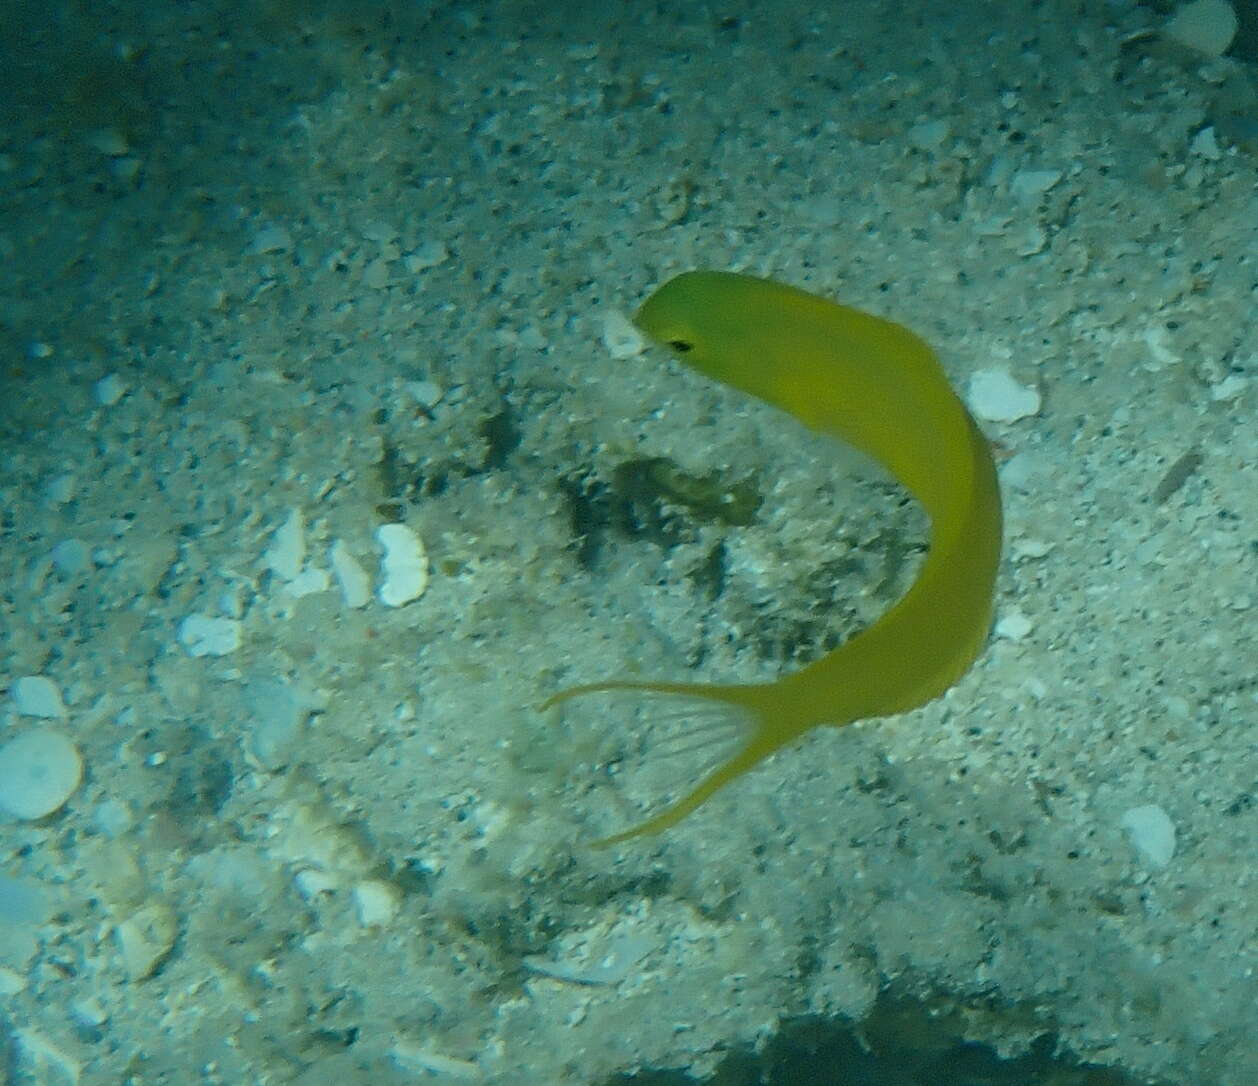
column 876, row 385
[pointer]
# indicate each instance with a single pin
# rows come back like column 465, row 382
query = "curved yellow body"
column 876, row 385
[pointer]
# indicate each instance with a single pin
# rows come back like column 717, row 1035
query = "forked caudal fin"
column 715, row 717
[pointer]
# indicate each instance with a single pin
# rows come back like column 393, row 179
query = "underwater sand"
column 275, row 278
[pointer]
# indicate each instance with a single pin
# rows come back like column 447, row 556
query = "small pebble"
column 287, row 553
column 350, row 575
column 146, row 938
column 312, row 882
column 1013, row 625
column 271, row 239
column 425, row 393
column 1030, row 548
column 376, row 902
column 1229, row 388
column 70, row 556
column 1152, row 834
column 37, row 695
column 1205, row 144
column 620, row 337
column 996, row 397
column 60, row 490
column 929, row 135
column 1205, row 26
column 377, row 275
column 112, row 817
column 404, row 567
column 1029, row 185
column 308, row 582
column 205, row 635
column 109, row 390
column 427, row 255
column 39, row 771
column 380, row 232
column 88, row 1012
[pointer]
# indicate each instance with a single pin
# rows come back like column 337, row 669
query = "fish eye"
column 680, row 345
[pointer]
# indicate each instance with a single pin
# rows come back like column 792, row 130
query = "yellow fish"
column 876, row 385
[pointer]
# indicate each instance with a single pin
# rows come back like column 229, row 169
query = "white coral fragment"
column 404, row 566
